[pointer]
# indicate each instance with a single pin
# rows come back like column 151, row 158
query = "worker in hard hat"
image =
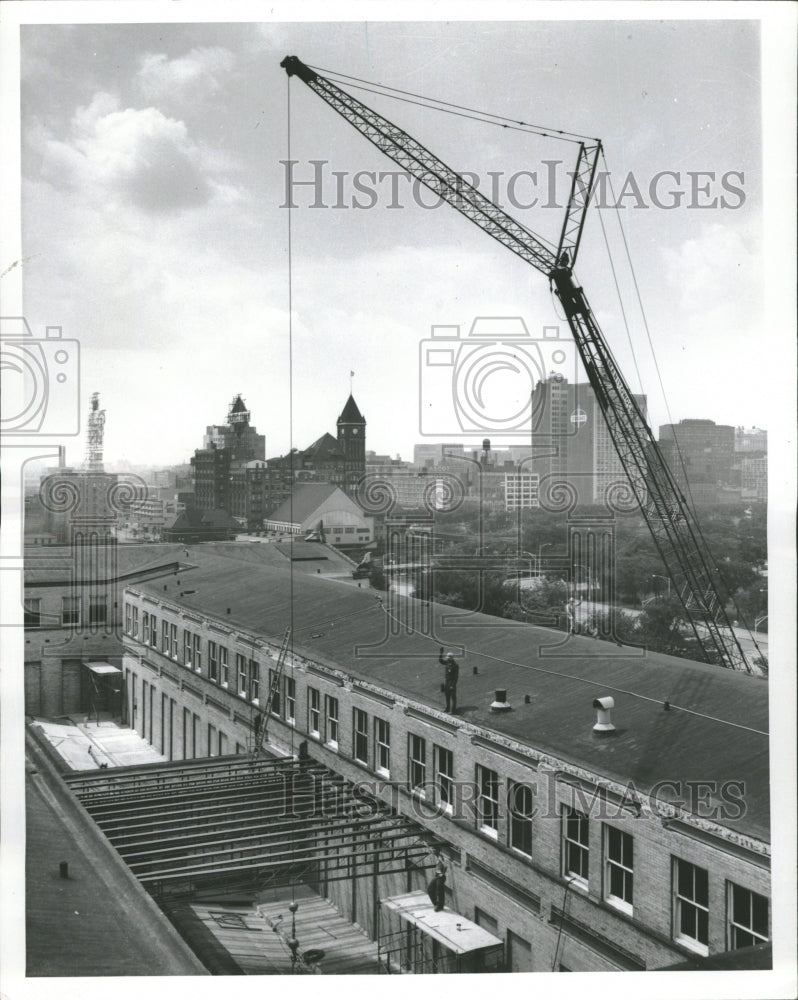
column 450, row 675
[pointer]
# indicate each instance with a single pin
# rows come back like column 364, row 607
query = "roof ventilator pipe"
column 604, row 707
column 500, row 703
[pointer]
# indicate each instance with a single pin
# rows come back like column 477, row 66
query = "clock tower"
column 352, row 442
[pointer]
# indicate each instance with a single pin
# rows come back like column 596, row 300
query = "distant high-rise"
column 225, row 448
column 750, row 439
column 581, row 452
column 94, row 436
column 700, row 454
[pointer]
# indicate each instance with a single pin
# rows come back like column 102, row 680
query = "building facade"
column 580, row 851
column 226, row 449
column 700, row 454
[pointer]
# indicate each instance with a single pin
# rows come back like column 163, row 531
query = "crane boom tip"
column 294, row 66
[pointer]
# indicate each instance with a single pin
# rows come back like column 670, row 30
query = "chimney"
column 604, row 707
column 500, row 703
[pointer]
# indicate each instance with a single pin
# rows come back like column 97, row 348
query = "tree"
column 661, row 625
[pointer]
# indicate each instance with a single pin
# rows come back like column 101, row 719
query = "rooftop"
column 304, row 500
column 716, row 728
column 53, row 564
column 351, row 413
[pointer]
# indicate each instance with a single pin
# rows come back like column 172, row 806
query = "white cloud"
column 195, row 75
column 716, row 277
column 134, row 156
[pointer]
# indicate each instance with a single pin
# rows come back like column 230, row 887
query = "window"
column 254, row 680
column 241, row 674
column 382, row 745
column 128, row 618
column 487, row 800
column 70, row 613
column 691, row 905
column 165, row 636
column 290, row 700
column 145, row 628
column 619, row 873
column 33, row 612
column 187, row 647
column 173, row 637
column 331, row 719
column 443, row 763
column 314, row 712
column 748, row 917
column 417, row 761
column 213, row 661
column 576, row 854
column 360, row 728
column 274, row 692
column 197, row 662
column 520, row 811
column 224, row 668
column 98, row 614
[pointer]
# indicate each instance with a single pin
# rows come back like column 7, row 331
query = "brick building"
column 73, row 617
column 700, row 454
column 636, row 847
column 226, row 450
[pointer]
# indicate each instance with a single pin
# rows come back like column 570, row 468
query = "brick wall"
column 527, row 895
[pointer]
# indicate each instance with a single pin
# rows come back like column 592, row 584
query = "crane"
column 667, row 513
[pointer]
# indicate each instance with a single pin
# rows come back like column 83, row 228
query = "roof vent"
column 604, row 707
column 500, row 703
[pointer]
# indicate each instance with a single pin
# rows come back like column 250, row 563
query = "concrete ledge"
column 99, row 920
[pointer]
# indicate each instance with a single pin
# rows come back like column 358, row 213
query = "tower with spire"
column 352, row 441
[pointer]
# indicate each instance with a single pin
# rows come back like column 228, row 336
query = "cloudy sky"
column 155, row 232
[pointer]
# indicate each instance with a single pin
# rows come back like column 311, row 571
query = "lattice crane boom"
column 668, row 515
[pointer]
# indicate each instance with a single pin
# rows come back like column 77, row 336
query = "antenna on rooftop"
column 94, row 436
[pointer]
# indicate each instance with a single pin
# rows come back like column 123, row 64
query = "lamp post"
column 667, row 579
column 545, row 545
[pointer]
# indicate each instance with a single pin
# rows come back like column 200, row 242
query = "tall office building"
column 226, row 449
column 571, row 443
column 700, row 454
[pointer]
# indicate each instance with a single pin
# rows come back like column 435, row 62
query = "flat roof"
column 450, row 929
column 98, row 667
column 53, row 564
column 715, row 731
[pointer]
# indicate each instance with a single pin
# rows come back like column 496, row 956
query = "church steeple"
column 352, row 440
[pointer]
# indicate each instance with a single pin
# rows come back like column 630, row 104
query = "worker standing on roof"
column 451, row 673
column 570, row 609
column 436, row 890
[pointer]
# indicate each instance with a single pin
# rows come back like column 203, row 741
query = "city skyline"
column 405, row 454
column 166, row 166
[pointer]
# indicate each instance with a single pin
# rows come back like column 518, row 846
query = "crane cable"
column 290, row 649
column 696, row 522
column 645, row 324
column 462, row 111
